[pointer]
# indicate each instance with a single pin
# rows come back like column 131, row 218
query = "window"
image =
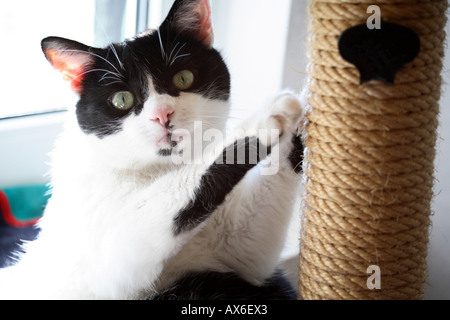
column 27, row 83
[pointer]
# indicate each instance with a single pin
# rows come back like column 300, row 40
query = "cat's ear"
column 69, row 57
column 194, row 17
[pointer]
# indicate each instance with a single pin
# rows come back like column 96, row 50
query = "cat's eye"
column 123, row 100
column 183, row 80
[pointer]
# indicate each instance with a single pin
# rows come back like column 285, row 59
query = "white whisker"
column 174, row 48
column 95, row 55
column 113, row 49
column 111, row 83
column 109, row 75
column 96, row 70
column 176, row 54
column 110, row 78
column 178, row 57
column 163, row 52
column 298, row 165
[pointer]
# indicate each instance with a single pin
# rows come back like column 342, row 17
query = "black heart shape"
column 379, row 53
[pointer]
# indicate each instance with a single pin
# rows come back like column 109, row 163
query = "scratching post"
column 369, row 157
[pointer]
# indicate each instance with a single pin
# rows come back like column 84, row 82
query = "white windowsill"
column 25, row 143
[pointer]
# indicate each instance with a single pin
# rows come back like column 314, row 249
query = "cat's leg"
column 219, row 180
column 247, row 232
column 257, row 217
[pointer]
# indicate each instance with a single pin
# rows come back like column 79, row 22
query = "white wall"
column 25, row 145
column 251, row 36
column 438, row 286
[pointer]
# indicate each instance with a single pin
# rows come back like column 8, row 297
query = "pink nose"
column 162, row 115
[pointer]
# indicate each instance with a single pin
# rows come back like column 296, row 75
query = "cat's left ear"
column 69, row 57
column 194, row 17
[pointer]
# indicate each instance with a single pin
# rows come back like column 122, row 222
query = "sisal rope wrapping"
column 369, row 159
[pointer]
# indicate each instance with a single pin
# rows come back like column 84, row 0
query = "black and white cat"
column 135, row 213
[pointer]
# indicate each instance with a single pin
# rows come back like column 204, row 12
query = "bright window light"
column 28, row 84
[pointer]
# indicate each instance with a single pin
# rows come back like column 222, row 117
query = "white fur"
column 107, row 232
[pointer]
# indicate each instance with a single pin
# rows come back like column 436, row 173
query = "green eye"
column 123, row 100
column 183, row 80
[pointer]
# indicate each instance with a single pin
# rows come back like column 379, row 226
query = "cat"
column 134, row 212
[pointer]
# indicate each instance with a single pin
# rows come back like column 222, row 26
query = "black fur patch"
column 95, row 113
column 227, row 286
column 219, row 181
column 296, row 156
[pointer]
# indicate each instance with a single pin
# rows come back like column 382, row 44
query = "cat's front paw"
column 281, row 117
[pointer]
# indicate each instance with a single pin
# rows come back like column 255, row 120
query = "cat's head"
column 138, row 97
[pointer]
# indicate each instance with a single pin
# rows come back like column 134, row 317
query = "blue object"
column 20, row 209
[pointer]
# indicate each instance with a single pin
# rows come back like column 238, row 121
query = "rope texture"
column 369, row 159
